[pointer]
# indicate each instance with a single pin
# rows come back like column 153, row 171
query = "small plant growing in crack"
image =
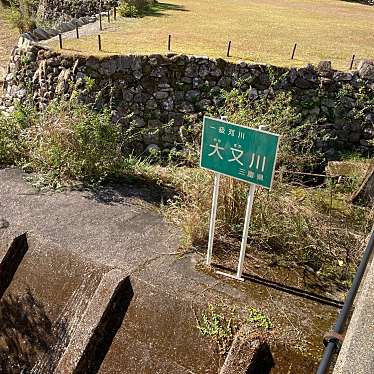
column 259, row 319
column 218, row 327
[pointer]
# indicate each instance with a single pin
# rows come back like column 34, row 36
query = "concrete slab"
column 115, row 227
column 77, row 236
column 57, row 288
column 159, row 335
column 170, row 294
column 357, row 353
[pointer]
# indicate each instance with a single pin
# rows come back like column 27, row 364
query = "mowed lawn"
column 260, row 30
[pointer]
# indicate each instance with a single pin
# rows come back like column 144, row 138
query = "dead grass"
column 8, row 39
column 309, row 228
column 260, row 30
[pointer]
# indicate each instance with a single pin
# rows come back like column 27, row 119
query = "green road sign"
column 239, row 152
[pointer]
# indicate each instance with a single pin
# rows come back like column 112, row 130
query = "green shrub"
column 13, row 134
column 68, row 141
column 74, row 143
column 128, row 10
column 142, row 5
column 134, row 8
column 22, row 14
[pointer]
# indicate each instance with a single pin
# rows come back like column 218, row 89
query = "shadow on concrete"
column 26, row 332
column 263, row 361
column 12, row 259
column 158, row 9
column 101, row 341
column 288, row 289
column 132, row 187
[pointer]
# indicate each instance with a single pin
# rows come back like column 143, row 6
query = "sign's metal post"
column 248, row 213
column 213, row 218
column 213, row 213
column 242, row 153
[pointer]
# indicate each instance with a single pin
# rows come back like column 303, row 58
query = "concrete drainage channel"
column 100, row 323
column 87, row 321
column 84, row 348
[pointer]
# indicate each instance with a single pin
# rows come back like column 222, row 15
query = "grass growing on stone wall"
column 277, row 113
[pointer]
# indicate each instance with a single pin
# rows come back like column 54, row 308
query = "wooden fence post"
column 228, row 49
column 169, row 43
column 293, row 51
column 352, row 61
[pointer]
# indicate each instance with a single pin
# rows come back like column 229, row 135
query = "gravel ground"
column 86, row 30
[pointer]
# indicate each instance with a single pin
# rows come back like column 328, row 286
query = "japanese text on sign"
column 240, row 152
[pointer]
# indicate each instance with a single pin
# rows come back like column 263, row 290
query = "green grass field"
column 260, row 30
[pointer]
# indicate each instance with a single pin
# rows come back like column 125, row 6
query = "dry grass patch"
column 310, row 228
column 260, row 30
column 8, row 39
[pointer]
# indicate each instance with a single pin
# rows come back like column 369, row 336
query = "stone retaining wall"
column 65, row 10
column 150, row 91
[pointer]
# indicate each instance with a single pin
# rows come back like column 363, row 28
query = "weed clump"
column 13, row 130
column 218, row 327
column 221, row 323
column 68, row 141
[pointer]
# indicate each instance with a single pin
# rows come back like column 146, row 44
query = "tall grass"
column 305, row 227
column 68, row 141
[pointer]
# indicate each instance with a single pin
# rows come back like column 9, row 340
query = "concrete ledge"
column 249, row 353
column 11, row 261
column 103, row 317
column 357, row 352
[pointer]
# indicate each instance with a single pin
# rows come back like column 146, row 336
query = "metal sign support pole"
column 213, row 218
column 248, row 213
